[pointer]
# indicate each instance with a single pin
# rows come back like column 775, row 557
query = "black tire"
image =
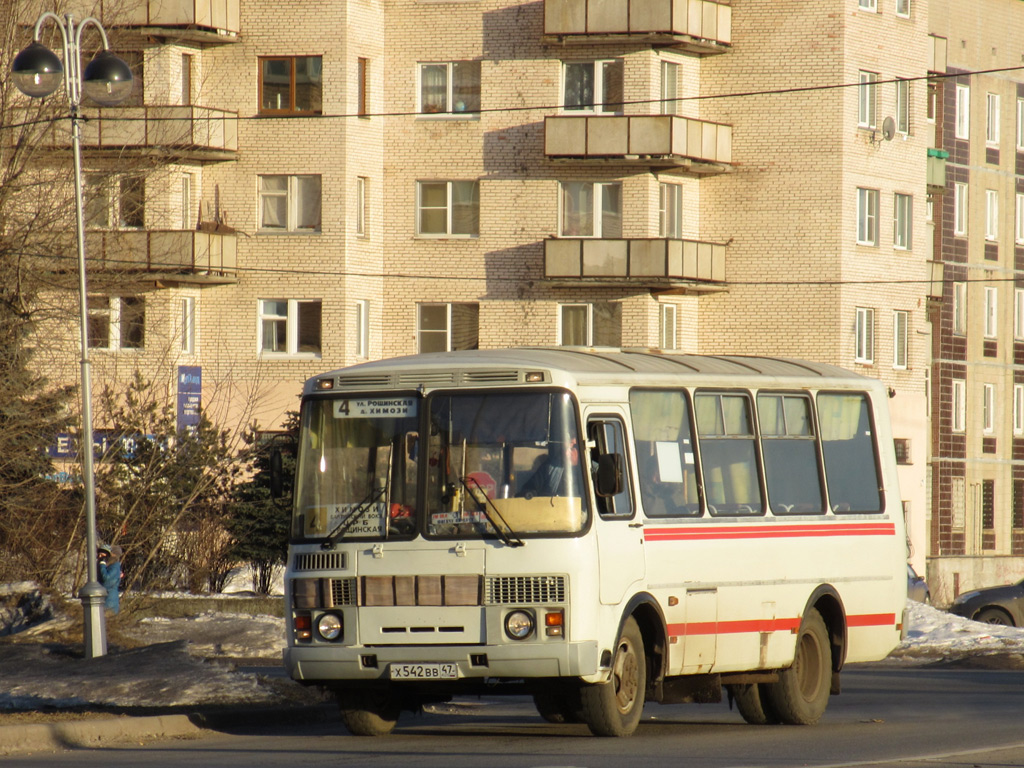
column 559, row 706
column 369, row 715
column 801, row 694
column 753, row 704
column 614, row 708
column 995, row 616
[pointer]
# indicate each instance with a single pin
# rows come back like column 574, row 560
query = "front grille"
column 365, row 381
column 343, row 591
column 491, row 377
column 320, row 561
column 518, row 590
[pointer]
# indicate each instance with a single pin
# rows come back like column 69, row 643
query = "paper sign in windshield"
column 376, row 408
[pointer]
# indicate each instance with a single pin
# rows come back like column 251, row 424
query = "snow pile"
column 934, row 635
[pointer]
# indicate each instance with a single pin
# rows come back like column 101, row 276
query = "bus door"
column 620, row 539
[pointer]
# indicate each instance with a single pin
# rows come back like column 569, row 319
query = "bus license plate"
column 424, row 671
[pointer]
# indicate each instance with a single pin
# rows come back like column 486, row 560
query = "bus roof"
column 582, row 364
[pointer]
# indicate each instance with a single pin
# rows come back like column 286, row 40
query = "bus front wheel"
column 614, row 708
column 801, row 694
column 375, row 714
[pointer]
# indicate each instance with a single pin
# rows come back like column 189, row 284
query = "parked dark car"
column 993, row 605
column 917, row 588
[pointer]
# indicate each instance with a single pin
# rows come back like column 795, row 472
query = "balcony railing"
column 936, row 169
column 198, row 133
column 652, row 263
column 205, row 21
column 187, row 255
column 699, row 27
column 657, row 141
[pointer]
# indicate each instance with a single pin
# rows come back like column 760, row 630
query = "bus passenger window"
column 664, row 453
column 727, row 454
column 848, row 447
column 608, row 438
column 790, row 452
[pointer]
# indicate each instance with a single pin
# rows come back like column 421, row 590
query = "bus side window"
column 607, row 435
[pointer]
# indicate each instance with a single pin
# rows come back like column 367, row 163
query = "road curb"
column 77, row 734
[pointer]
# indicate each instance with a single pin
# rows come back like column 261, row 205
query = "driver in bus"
column 558, row 474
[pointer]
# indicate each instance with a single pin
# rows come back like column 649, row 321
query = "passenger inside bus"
column 558, row 473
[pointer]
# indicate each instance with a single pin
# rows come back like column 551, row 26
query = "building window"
column 595, row 86
column 1020, row 125
column 1018, row 409
column 591, row 209
column 1017, row 512
column 991, row 214
column 362, row 328
column 188, row 325
column 116, row 322
column 903, row 8
column 988, row 505
column 361, row 184
column 291, row 85
column 448, row 208
column 868, row 5
column 900, row 338
column 991, row 318
column 186, row 201
column 290, row 203
column 865, row 332
column 903, row 107
column 959, row 208
column 668, row 338
column 867, row 103
column 932, row 105
column 447, row 327
column 902, row 446
column 362, row 87
column 867, row 216
column 186, row 79
column 670, row 211
column 1018, row 230
column 670, row 88
column 1018, row 313
column 903, row 210
column 960, row 308
column 450, row 88
column 962, row 124
column 988, row 407
column 290, row 327
column 992, row 118
column 959, row 405
column 590, row 325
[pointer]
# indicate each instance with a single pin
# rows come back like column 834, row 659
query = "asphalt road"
column 909, row 718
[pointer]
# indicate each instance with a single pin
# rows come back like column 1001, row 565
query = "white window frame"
column 988, row 408
column 903, row 9
column 960, row 308
column 188, row 325
column 361, row 185
column 600, row 106
column 362, row 321
column 112, row 307
column 1020, row 125
column 1018, row 313
column 867, row 100
column 991, row 312
column 902, row 221
column 868, row 5
column 589, row 320
column 670, row 210
column 959, row 405
column 598, row 192
column 864, row 330
column 900, row 339
column 450, row 341
column 291, row 195
column 962, row 123
column 992, row 119
column 670, row 80
column 291, row 319
column 1018, row 229
column 451, row 109
column 991, row 215
column 449, row 208
column 186, row 197
column 960, row 197
column 867, row 216
column 903, row 107
column 668, row 327
column 1018, row 409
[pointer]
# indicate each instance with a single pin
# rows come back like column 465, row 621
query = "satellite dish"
column 888, row 128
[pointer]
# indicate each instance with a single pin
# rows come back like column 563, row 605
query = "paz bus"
column 594, row 528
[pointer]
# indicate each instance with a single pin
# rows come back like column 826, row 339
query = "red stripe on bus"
column 769, row 531
column 770, row 625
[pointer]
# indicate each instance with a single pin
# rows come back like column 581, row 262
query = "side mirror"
column 610, row 474
column 276, row 474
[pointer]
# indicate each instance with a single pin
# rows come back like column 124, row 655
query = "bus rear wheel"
column 372, row 714
column 753, row 704
column 801, row 694
column 614, row 708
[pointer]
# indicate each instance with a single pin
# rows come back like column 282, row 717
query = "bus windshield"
column 356, row 473
column 506, row 460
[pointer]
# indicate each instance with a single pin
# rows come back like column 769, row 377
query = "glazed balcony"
column 199, row 134
column 662, row 142
column 200, row 21
column 184, row 256
column 656, row 264
column 697, row 27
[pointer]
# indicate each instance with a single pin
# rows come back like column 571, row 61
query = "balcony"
column 659, row 142
column 198, row 21
column 936, row 170
column 660, row 265
column 199, row 134
column 697, row 27
column 183, row 256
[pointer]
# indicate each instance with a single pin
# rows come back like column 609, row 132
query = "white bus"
column 596, row 528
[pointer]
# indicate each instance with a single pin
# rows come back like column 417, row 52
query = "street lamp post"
column 107, row 80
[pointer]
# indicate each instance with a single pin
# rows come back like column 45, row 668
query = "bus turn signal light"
column 553, row 623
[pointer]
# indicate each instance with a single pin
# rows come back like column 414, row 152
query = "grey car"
column 993, row 605
column 917, row 588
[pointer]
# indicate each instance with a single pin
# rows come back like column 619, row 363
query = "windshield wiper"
column 345, row 525
column 483, row 501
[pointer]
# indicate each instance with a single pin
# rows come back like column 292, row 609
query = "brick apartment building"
column 316, row 185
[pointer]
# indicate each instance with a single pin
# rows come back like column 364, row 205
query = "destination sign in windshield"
column 376, row 408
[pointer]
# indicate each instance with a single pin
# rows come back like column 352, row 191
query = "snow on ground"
column 934, row 635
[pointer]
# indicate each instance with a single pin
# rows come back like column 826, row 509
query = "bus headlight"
column 519, row 625
column 329, row 626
